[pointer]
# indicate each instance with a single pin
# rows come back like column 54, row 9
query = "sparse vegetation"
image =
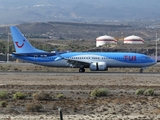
column 60, row 96
column 149, row 92
column 99, row 92
column 19, row 95
column 3, row 95
column 15, row 69
column 3, row 103
column 41, row 96
column 140, row 91
column 33, row 107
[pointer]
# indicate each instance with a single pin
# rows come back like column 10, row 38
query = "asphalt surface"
column 82, row 74
column 75, row 73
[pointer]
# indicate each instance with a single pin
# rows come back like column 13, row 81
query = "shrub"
column 149, row 92
column 15, row 69
column 19, row 95
column 41, row 96
column 99, row 92
column 3, row 103
column 60, row 96
column 33, row 107
column 140, row 91
column 3, row 95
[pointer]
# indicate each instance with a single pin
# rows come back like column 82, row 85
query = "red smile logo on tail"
column 20, row 46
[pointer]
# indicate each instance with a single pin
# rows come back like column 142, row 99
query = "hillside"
column 21, row 11
column 81, row 36
column 67, row 30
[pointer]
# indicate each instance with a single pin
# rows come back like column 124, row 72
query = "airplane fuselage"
column 111, row 59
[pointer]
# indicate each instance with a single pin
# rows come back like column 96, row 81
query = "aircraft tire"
column 81, row 70
column 141, row 70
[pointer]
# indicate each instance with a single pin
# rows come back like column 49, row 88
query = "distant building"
column 105, row 40
column 133, row 40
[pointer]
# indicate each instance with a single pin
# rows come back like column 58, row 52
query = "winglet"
column 59, row 57
column 57, row 53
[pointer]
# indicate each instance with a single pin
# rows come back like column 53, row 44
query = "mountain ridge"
column 19, row 11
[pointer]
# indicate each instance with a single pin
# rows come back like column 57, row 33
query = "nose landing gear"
column 142, row 69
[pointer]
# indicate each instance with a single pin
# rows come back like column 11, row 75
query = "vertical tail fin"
column 21, row 44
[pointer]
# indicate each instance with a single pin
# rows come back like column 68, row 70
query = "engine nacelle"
column 98, row 66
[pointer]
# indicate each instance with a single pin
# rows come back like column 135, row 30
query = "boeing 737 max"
column 95, row 61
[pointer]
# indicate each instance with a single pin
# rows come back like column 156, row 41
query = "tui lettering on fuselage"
column 130, row 58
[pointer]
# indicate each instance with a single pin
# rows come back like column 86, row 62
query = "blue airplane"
column 95, row 61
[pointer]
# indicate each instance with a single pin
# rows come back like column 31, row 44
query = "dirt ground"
column 77, row 104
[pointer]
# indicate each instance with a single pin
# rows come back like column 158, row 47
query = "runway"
column 80, row 74
column 29, row 69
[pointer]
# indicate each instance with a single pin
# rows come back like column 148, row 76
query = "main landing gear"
column 81, row 70
column 141, row 70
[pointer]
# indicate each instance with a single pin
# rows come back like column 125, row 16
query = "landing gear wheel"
column 141, row 70
column 81, row 70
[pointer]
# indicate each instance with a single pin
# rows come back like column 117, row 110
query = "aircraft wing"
column 19, row 54
column 40, row 53
column 74, row 62
column 77, row 63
